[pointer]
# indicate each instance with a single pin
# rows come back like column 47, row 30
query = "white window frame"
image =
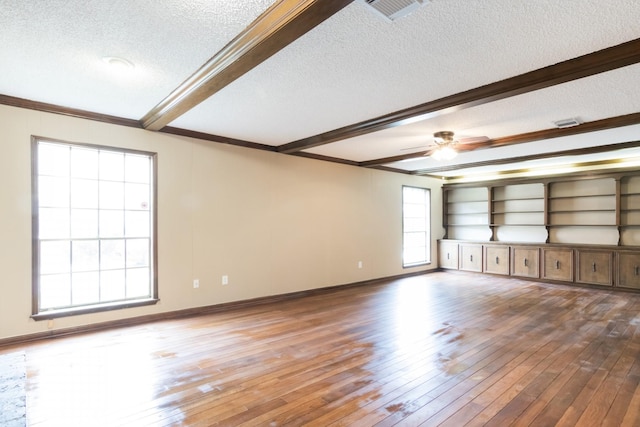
column 89, row 306
column 413, row 213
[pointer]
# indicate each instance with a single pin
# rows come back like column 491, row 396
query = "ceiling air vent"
column 394, row 9
column 567, row 123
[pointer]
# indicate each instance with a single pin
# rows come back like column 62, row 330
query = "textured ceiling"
column 351, row 68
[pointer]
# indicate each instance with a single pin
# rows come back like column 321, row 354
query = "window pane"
column 137, row 253
column 84, row 163
column 136, row 196
column 53, row 192
column 84, row 223
column 111, row 254
column 111, row 195
column 55, row 257
column 415, row 223
column 112, row 285
column 88, row 201
column 414, row 239
column 84, row 255
column 111, row 166
column 53, row 223
column 85, row 288
column 55, row 290
column 138, row 283
column 414, row 195
column 136, row 224
column 137, row 168
column 84, row 193
column 415, row 255
column 111, row 223
column 53, row 159
column 414, row 211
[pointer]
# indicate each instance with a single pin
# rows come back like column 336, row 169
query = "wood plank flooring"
column 448, row 349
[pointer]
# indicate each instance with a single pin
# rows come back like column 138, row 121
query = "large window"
column 93, row 228
column 416, row 239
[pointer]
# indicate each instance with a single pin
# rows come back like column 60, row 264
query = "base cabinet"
column 613, row 266
column 595, row 267
column 470, row 257
column 557, row 264
column 496, row 259
column 525, row 262
column 448, row 255
column 629, row 270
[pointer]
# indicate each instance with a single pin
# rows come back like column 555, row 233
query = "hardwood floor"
column 448, row 349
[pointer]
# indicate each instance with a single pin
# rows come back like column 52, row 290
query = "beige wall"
column 272, row 223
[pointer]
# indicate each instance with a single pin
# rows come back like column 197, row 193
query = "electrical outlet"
column 359, row 264
column 225, row 280
column 196, row 283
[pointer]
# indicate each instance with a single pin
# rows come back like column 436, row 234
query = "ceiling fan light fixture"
column 445, row 149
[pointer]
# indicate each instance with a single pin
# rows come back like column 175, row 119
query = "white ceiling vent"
column 394, row 9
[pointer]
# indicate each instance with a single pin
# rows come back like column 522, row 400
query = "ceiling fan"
column 446, row 144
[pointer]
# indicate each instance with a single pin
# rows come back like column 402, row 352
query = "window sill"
column 97, row 308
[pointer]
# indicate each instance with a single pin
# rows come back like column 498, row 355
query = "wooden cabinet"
column 629, row 270
column 470, row 257
column 594, row 267
column 448, row 254
column 525, row 261
column 496, row 259
column 589, row 264
column 557, row 264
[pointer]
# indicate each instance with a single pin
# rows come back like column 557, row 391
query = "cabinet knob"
column 448, row 255
column 470, row 257
column 525, row 262
column 497, row 260
column 636, row 270
column 557, row 264
column 594, row 267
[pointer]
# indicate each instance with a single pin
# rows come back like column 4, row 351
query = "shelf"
column 582, row 225
column 581, row 196
column 467, row 225
column 517, row 212
column 581, row 211
column 518, row 199
column 517, row 225
column 468, row 201
column 629, row 194
column 467, row 213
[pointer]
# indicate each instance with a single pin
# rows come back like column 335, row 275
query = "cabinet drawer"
column 557, row 264
column 525, row 262
column 595, row 267
column 629, row 270
column 496, row 259
column 448, row 255
column 470, row 257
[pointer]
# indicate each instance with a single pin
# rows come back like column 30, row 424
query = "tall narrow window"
column 93, row 228
column 416, row 239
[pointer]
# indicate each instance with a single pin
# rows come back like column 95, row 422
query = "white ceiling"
column 353, row 67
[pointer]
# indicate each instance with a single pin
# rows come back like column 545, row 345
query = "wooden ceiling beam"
column 601, row 61
column 284, row 22
column 503, row 161
column 593, row 126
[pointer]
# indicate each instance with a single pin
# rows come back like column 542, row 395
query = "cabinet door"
column 557, row 264
column 496, row 259
column 448, row 254
column 629, row 270
column 525, row 262
column 595, row 267
column 470, row 257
